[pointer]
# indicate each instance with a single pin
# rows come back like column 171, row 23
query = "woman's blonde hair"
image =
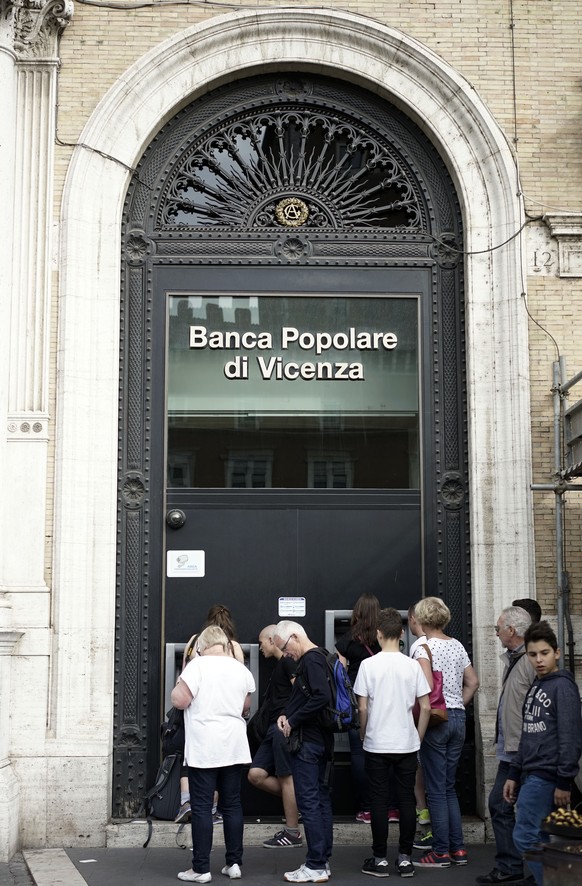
column 211, row 636
column 432, row 612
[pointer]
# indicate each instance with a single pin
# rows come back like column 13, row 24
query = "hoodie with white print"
column 551, row 738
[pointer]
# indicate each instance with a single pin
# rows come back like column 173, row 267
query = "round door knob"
column 175, row 518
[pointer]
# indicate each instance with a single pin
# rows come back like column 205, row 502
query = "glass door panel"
column 278, row 391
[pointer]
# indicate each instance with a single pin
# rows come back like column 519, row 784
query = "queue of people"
column 404, row 757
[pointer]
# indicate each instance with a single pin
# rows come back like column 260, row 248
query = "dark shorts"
column 273, row 754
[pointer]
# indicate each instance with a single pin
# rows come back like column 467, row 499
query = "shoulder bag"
column 438, row 705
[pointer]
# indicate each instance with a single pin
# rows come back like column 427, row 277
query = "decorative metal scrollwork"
column 296, row 166
column 452, row 491
column 293, row 248
column 137, row 247
column 293, row 87
column 446, row 251
column 133, row 491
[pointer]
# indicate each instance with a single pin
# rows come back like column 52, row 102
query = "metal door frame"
column 148, row 242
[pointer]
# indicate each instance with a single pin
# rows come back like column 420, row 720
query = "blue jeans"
column 439, row 754
column 380, row 769
column 313, row 795
column 203, row 782
column 507, row 859
column 534, row 802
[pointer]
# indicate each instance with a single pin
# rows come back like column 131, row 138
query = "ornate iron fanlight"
column 295, row 168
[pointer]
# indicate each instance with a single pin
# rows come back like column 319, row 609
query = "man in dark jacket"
column 311, row 748
column 271, row 766
column 551, row 743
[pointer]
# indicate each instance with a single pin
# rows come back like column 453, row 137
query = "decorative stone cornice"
column 8, row 640
column 566, row 228
column 564, row 224
column 35, row 26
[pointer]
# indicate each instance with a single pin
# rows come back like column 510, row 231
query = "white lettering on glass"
column 276, row 368
column 351, row 340
column 232, row 340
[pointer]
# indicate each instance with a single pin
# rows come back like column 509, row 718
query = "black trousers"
column 379, row 768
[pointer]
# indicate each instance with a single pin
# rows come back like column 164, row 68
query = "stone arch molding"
column 153, row 89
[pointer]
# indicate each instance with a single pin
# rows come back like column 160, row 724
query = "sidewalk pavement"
column 262, row 867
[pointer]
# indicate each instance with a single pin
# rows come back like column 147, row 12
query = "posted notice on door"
column 185, row 564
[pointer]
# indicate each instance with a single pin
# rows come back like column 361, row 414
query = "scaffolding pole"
column 560, row 387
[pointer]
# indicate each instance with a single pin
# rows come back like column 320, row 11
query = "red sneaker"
column 393, row 815
column 459, row 856
column 433, row 860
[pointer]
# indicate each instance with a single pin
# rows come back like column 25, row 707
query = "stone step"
column 166, row 834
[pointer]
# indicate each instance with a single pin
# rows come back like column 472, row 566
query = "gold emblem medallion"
column 292, row 212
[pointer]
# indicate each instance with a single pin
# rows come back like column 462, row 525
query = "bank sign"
column 281, row 352
column 278, row 367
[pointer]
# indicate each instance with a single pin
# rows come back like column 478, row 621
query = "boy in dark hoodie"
column 550, row 744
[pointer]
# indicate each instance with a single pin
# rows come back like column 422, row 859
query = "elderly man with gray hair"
column 311, row 748
column 518, row 676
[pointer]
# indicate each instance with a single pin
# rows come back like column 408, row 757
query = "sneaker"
column 184, row 813
column 306, row 875
column 233, row 871
column 393, row 815
column 496, row 876
column 424, row 842
column 192, row 877
column 459, row 856
column 376, row 868
column 327, row 869
column 423, row 816
column 216, row 818
column 364, row 817
column 283, row 840
column 404, row 867
column 433, row 860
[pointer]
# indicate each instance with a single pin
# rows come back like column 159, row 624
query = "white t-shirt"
column 391, row 682
column 216, row 733
column 450, row 657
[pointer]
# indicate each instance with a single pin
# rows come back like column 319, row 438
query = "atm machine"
column 257, row 804
column 173, row 666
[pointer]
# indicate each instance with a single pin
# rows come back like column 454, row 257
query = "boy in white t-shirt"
column 388, row 685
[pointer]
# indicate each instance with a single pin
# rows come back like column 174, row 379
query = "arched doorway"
column 291, row 255
column 432, row 93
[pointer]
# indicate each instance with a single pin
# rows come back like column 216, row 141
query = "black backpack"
column 172, row 733
column 163, row 799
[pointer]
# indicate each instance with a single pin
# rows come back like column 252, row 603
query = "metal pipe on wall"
column 558, row 367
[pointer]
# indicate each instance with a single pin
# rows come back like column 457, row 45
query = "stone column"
column 29, row 33
column 9, row 788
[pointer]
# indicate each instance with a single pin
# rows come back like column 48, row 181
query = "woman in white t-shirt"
column 441, row 748
column 214, row 692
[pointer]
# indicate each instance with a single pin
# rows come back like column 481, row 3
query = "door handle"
column 175, row 518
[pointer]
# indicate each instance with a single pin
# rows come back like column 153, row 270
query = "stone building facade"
column 86, row 88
